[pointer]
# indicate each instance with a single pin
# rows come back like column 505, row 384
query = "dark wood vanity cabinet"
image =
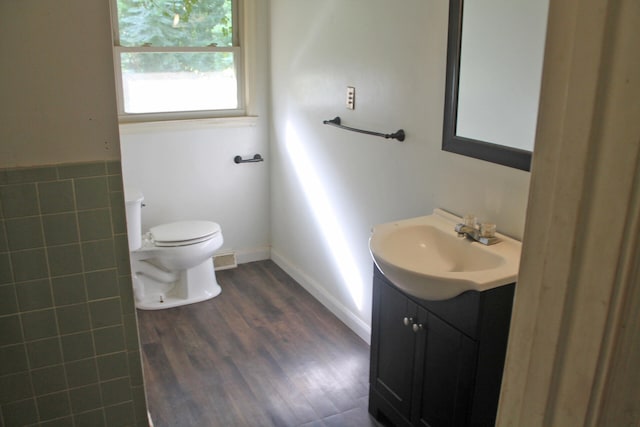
column 437, row 363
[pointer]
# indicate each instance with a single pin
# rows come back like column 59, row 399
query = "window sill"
column 169, row 125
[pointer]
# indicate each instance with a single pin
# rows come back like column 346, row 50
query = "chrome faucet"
column 484, row 234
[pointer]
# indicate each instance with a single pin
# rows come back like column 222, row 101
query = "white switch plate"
column 351, row 97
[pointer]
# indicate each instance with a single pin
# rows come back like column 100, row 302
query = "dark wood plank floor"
column 262, row 353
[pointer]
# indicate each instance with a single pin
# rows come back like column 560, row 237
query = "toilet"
column 171, row 264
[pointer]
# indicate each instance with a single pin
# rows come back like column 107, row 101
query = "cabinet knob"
column 417, row 327
column 407, row 321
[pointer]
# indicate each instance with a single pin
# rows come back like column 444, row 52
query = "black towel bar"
column 399, row 135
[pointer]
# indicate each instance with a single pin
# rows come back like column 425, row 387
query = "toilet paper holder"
column 256, row 158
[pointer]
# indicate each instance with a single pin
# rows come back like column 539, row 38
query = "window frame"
column 238, row 55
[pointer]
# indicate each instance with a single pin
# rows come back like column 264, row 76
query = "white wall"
column 329, row 186
column 186, row 170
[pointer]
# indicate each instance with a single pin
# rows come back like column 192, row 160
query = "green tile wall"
column 69, row 349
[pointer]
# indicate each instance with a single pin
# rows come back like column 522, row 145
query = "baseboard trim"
column 347, row 317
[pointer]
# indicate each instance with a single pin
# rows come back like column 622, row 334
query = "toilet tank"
column 133, row 206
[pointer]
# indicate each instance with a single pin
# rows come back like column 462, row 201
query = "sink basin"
column 425, row 257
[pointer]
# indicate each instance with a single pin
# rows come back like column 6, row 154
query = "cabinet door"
column 446, row 362
column 394, row 345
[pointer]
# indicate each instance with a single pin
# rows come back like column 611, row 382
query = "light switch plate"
column 351, row 97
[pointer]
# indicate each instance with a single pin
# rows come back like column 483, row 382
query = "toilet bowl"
column 171, row 264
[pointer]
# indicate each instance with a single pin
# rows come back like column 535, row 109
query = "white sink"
column 425, row 257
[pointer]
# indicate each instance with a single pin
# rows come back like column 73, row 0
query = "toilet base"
column 194, row 285
column 154, row 302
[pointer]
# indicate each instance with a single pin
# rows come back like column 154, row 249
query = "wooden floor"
column 263, row 353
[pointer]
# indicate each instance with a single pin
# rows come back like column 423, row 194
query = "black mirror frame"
column 503, row 155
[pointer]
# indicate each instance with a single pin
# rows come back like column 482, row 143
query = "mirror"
column 494, row 68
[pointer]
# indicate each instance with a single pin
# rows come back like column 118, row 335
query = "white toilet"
column 171, row 265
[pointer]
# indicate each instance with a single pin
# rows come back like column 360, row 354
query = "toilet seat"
column 182, row 233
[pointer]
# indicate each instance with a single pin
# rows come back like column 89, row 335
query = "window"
column 177, row 59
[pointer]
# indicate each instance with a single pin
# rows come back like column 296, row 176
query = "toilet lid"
column 183, row 232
